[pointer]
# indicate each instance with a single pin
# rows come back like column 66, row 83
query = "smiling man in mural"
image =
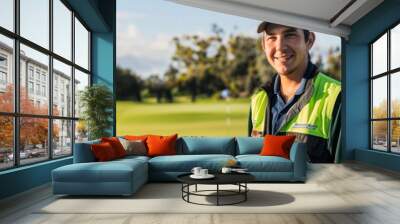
column 300, row 99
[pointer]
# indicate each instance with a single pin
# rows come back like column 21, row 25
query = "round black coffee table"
column 238, row 179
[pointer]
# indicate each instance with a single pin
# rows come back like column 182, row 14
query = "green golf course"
column 205, row 117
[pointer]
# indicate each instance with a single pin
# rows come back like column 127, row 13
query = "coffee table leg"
column 185, row 187
column 217, row 194
column 188, row 189
column 245, row 193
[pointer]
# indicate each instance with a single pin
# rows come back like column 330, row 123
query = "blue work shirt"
column 279, row 108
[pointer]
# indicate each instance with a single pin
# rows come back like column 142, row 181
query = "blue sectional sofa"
column 125, row 176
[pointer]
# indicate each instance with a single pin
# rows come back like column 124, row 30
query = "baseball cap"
column 262, row 27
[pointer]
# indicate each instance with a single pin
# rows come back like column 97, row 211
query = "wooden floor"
column 377, row 188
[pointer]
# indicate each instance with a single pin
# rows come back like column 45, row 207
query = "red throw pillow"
column 277, row 145
column 103, row 151
column 116, row 145
column 161, row 145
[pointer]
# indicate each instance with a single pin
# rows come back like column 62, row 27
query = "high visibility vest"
column 313, row 119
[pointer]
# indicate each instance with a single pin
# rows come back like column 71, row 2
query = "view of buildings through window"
column 41, row 83
column 385, row 79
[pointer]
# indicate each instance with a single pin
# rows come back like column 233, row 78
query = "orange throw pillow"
column 161, row 145
column 277, row 145
column 116, row 145
column 135, row 138
column 103, row 152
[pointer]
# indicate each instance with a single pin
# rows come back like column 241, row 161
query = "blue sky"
column 145, row 30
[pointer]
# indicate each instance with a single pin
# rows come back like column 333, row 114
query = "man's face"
column 286, row 48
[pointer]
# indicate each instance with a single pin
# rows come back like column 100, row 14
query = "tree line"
column 207, row 65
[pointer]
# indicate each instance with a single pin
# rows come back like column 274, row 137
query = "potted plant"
column 96, row 102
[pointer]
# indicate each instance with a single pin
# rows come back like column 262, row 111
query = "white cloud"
column 150, row 54
column 162, row 42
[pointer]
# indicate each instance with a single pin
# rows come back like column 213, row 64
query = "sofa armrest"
column 298, row 155
column 83, row 152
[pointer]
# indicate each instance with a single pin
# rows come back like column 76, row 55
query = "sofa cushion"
column 257, row 163
column 83, row 152
column 112, row 171
column 134, row 147
column 185, row 163
column 133, row 158
column 116, row 145
column 206, row 145
column 161, row 145
column 136, row 137
column 277, row 145
column 103, row 152
column 248, row 145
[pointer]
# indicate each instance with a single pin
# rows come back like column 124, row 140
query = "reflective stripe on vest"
column 259, row 102
column 315, row 117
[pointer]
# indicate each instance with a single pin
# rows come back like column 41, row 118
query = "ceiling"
column 333, row 17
